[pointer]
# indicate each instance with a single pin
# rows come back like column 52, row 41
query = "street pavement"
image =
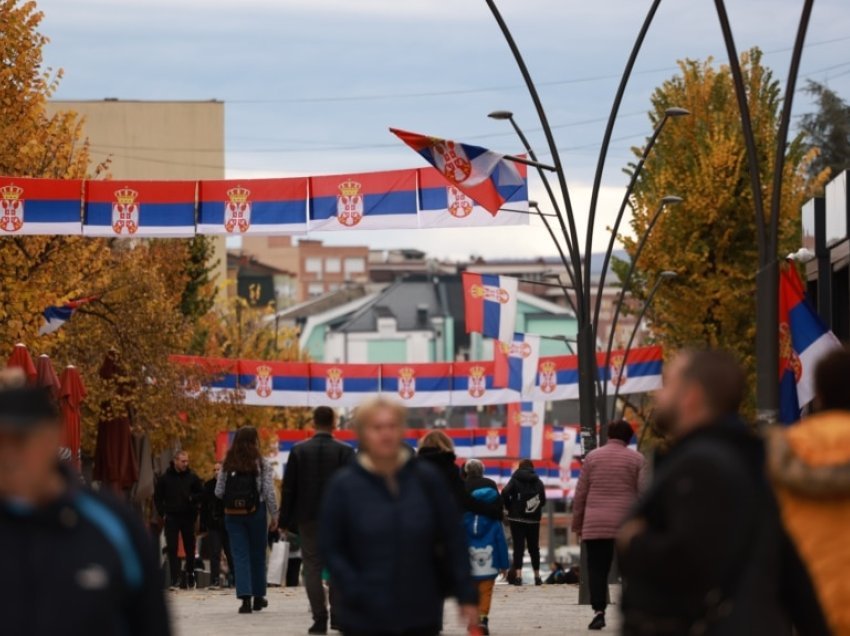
column 548, row 610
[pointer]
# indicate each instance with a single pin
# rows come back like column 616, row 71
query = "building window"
column 355, row 266
column 313, row 265
column 315, row 289
column 332, row 265
column 333, row 287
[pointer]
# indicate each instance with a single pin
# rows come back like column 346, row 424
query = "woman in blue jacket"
column 488, row 548
column 391, row 538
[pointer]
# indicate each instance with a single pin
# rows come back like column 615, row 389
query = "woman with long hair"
column 246, row 486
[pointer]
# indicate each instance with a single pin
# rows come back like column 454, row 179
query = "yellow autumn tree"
column 709, row 240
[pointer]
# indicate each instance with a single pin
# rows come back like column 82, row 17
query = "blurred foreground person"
column 310, row 467
column 810, row 467
column 392, row 540
column 705, row 552
column 488, row 548
column 607, row 490
column 246, row 487
column 524, row 498
column 73, row 562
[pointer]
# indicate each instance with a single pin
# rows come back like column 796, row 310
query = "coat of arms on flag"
column 349, row 203
column 477, row 381
column 333, row 383
column 459, row 205
column 493, row 440
column 125, row 211
column 618, row 370
column 264, row 381
column 548, row 377
column 237, row 210
column 406, row 383
column 12, row 208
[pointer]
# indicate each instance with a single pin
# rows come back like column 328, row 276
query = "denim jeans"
column 248, row 547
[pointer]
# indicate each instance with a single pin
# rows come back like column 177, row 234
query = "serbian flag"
column 472, row 385
column 418, row 384
column 487, row 177
column 443, row 204
column 215, row 378
column 55, row 317
column 128, row 209
column 526, row 430
column 343, row 384
column 803, row 341
column 516, row 362
column 368, row 201
column 639, row 371
column 252, row 206
column 490, row 302
column 40, row 206
column 489, row 442
column 274, row 383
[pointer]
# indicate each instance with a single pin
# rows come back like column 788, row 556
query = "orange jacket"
column 809, row 464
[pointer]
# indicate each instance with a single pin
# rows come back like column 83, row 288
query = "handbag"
column 278, row 562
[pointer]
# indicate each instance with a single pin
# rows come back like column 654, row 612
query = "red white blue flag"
column 252, row 206
column 443, row 204
column 265, row 383
column 487, row 177
column 418, row 384
column 343, row 384
column 516, row 363
column 128, row 209
column 368, row 201
column 803, row 341
column 472, row 385
column 56, row 316
column 526, row 429
column 490, row 303
column 40, row 206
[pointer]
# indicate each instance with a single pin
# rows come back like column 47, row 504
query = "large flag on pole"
column 803, row 341
column 526, row 430
column 490, row 304
column 487, row 177
column 515, row 363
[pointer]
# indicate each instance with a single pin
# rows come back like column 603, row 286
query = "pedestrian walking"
column 310, row 467
column 705, row 552
column 246, row 487
column 177, row 498
column 74, row 561
column 810, row 468
column 524, row 497
column 488, row 548
column 395, row 547
column 212, row 525
column 606, row 492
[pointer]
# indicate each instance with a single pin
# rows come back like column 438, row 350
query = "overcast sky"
column 311, row 85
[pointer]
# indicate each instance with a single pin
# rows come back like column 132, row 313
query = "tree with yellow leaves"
column 709, row 240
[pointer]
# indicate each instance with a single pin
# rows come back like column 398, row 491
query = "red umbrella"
column 71, row 395
column 114, row 460
column 46, row 376
column 21, row 359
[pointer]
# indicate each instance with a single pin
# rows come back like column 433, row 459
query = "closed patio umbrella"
column 114, row 460
column 22, row 359
column 71, row 395
column 46, row 376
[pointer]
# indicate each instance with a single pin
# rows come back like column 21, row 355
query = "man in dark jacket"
column 310, row 467
column 212, row 523
column 74, row 561
column 524, row 498
column 177, row 497
column 705, row 551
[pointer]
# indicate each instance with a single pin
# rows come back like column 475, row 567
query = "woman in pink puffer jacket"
column 611, row 478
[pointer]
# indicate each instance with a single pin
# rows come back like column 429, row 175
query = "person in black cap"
column 74, row 561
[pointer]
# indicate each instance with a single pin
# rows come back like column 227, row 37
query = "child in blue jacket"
column 488, row 548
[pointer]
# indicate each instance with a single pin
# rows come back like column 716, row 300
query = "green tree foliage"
column 710, row 239
column 828, row 130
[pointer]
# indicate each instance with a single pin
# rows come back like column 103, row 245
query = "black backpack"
column 241, row 496
column 527, row 503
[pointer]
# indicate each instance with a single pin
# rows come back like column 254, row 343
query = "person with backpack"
column 488, row 548
column 524, row 498
column 246, row 487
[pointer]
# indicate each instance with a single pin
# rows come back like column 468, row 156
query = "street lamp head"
column 667, row 274
column 501, row 114
column 802, row 255
column 676, row 111
column 671, row 200
column 533, row 204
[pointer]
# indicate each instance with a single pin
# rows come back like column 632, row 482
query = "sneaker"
column 213, row 587
column 245, row 608
column 184, row 583
column 484, row 626
column 538, row 580
column 319, row 627
column 598, row 621
column 260, row 603
column 191, row 584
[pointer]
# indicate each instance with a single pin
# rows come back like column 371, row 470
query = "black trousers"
column 526, row 534
column 600, row 555
column 182, row 525
column 217, row 541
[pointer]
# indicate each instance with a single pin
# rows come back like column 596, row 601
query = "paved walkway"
column 549, row 610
